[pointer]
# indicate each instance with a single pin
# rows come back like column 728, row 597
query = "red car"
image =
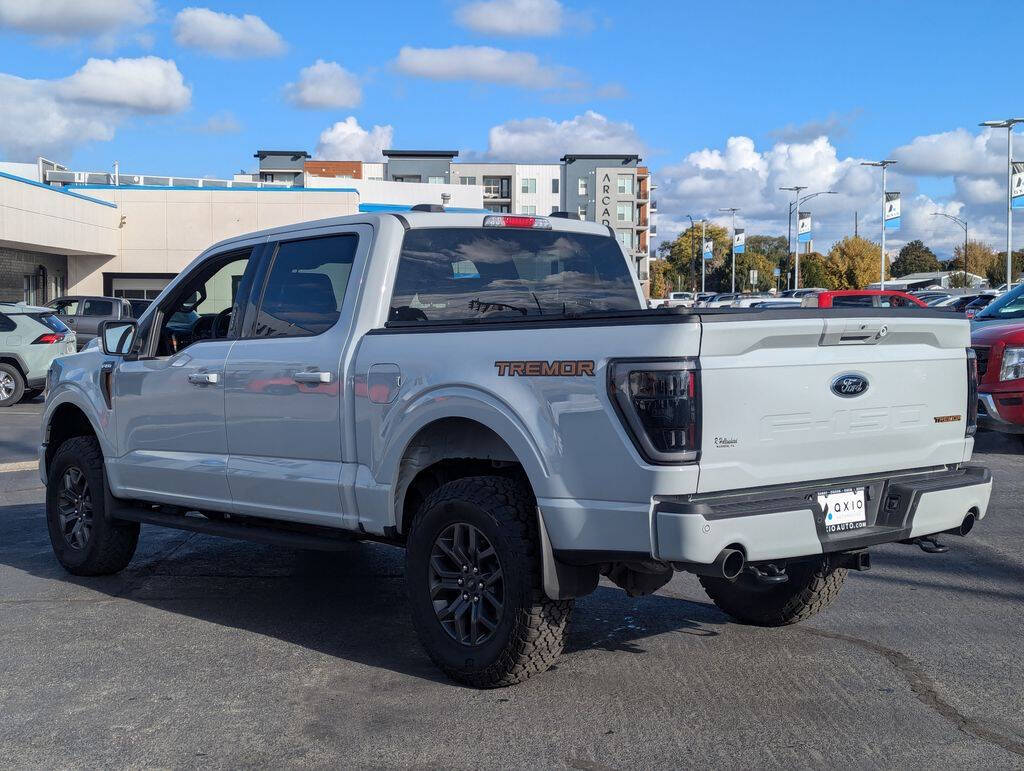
column 863, row 298
column 1000, row 352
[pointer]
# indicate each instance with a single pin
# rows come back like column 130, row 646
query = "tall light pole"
column 693, row 254
column 795, row 190
column 794, row 206
column 732, row 210
column 883, row 165
column 1007, row 124
column 963, row 224
column 703, row 267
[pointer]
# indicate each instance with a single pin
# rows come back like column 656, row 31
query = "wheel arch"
column 65, row 421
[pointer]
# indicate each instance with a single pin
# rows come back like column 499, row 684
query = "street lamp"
column 1007, row 124
column 795, row 206
column 732, row 210
column 963, row 224
column 693, row 254
column 883, row 165
column 795, row 189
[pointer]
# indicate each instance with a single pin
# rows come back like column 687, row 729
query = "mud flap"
column 561, row 581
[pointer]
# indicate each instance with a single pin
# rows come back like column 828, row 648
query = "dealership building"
column 64, row 231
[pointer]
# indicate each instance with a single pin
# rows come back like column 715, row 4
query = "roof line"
column 60, row 190
column 215, row 188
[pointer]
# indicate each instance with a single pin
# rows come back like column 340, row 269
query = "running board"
column 302, row 537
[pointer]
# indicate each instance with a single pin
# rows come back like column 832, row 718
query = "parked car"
column 801, row 293
column 1005, row 309
column 679, row 300
column 749, row 300
column 83, row 314
column 138, row 306
column 30, row 339
column 862, row 298
column 1000, row 353
column 723, row 300
column 979, row 303
column 778, row 302
column 519, row 432
column 958, row 304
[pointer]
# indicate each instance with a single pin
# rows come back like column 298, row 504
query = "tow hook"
column 768, row 574
column 928, row 543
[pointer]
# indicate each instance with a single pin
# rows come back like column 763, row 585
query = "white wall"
column 543, row 199
column 43, row 219
column 165, row 229
column 404, row 193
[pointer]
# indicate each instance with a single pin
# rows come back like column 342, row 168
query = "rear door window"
column 97, row 308
column 306, row 286
column 66, row 307
column 449, row 274
column 862, row 301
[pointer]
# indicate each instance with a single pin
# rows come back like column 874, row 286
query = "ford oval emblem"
column 849, row 385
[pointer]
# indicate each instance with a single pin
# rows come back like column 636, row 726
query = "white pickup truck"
column 489, row 392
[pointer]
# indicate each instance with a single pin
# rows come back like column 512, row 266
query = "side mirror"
column 117, row 337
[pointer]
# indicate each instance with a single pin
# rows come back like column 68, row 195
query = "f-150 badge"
column 567, row 368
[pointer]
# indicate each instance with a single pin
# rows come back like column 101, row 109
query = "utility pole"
column 855, row 223
column 693, row 254
column 703, row 267
column 795, row 189
column 963, row 224
column 1007, row 124
column 732, row 210
column 883, row 164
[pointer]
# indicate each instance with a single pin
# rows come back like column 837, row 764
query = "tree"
column 679, row 253
column 814, row 271
column 775, row 248
column 996, row 273
column 981, row 258
column 853, row 263
column 915, row 257
column 748, row 261
column 663, row 278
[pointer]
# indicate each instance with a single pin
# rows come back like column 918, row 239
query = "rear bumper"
column 773, row 523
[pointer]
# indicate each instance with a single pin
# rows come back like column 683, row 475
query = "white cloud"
column 324, row 85
column 52, row 117
column 223, row 122
column 68, row 19
column 482, row 64
column 543, row 139
column 954, row 152
column 146, row 85
column 225, row 35
column 346, row 140
column 740, row 174
column 542, row 18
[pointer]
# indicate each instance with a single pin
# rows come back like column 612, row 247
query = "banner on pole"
column 1017, row 185
column 803, row 228
column 892, row 211
column 709, row 250
column 739, row 240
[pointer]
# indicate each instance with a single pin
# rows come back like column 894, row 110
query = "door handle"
column 204, row 378
column 312, row 377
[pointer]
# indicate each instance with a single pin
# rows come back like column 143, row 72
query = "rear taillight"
column 48, row 339
column 972, row 393
column 660, row 403
column 516, row 221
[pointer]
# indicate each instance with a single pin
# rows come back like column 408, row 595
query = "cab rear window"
column 452, row 274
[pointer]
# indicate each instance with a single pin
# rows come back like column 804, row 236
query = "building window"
column 467, row 180
column 492, row 187
column 28, row 287
column 500, row 208
column 435, row 180
column 624, row 212
column 625, row 184
column 60, row 285
column 554, row 208
column 625, row 238
column 529, row 209
column 582, row 211
column 528, row 185
column 582, row 186
column 554, row 186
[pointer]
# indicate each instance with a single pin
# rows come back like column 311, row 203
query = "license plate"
column 843, row 509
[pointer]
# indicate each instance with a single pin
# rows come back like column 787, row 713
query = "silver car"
column 30, row 339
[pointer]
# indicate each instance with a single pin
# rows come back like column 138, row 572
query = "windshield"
column 1009, row 306
column 446, row 274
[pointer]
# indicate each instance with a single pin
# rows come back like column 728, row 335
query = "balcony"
column 642, row 193
column 654, row 204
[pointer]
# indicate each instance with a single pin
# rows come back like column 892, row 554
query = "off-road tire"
column 533, row 628
column 812, row 587
column 111, row 543
column 9, row 370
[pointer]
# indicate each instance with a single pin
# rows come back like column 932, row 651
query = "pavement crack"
column 927, row 691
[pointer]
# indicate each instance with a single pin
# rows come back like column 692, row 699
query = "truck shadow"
column 349, row 604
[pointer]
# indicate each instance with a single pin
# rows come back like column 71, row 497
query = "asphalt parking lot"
column 207, row 652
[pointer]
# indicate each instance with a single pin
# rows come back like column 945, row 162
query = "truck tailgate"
column 771, row 415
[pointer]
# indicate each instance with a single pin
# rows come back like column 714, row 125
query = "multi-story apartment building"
column 612, row 189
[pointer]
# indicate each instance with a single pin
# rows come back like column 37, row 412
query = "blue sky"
column 806, row 90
